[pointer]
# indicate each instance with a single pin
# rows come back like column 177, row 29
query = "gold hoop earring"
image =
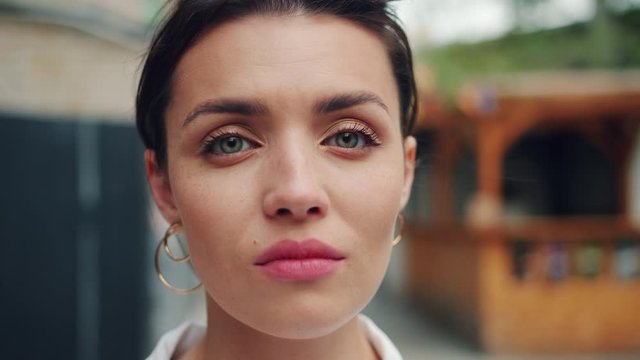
column 398, row 237
column 174, row 229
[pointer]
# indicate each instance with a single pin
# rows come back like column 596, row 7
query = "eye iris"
column 231, row 144
column 347, row 140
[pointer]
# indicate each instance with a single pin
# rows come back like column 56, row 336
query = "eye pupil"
column 347, row 140
column 231, row 144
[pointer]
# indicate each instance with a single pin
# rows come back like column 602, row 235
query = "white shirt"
column 179, row 340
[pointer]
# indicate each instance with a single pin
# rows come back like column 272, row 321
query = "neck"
column 227, row 338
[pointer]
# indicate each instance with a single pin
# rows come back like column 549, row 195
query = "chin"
column 301, row 317
column 295, row 310
column 306, row 328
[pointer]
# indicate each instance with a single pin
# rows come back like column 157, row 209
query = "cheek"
column 371, row 197
column 214, row 218
column 368, row 206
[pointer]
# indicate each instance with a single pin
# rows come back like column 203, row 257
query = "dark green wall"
column 73, row 219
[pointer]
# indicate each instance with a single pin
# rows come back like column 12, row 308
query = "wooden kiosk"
column 555, row 276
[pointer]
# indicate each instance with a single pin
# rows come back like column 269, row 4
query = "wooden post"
column 443, row 183
column 485, row 209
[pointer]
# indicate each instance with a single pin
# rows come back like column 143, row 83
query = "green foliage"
column 578, row 46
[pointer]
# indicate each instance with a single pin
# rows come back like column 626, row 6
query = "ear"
column 160, row 187
column 410, row 147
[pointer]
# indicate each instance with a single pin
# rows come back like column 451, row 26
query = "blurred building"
column 531, row 243
column 76, row 281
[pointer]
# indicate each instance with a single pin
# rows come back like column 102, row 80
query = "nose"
column 294, row 189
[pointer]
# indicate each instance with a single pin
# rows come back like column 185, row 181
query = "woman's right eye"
column 225, row 145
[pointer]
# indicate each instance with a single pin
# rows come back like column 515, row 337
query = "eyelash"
column 208, row 146
column 370, row 136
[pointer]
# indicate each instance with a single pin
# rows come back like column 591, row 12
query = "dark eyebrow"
column 227, row 106
column 345, row 101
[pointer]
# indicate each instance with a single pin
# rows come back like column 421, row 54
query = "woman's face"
column 285, row 131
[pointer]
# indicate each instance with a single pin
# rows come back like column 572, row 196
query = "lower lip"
column 300, row 269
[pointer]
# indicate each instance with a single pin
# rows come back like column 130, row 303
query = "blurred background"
column 522, row 238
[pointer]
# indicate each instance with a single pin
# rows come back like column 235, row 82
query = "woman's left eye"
column 226, row 145
column 348, row 140
column 353, row 137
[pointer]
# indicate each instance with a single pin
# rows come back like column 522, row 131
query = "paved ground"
column 418, row 339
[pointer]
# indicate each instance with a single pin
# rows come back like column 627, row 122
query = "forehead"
column 304, row 55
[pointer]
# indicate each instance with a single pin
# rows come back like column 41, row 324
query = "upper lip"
column 291, row 249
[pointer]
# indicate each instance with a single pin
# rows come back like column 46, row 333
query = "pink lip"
column 302, row 261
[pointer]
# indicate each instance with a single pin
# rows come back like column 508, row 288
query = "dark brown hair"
column 187, row 20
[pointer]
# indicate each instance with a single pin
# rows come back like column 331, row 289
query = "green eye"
column 348, row 140
column 231, row 144
column 227, row 145
column 353, row 137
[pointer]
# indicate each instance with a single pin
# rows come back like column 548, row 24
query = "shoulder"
column 177, row 341
column 379, row 340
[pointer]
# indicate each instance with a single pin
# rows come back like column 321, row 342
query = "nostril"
column 314, row 210
column 283, row 211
